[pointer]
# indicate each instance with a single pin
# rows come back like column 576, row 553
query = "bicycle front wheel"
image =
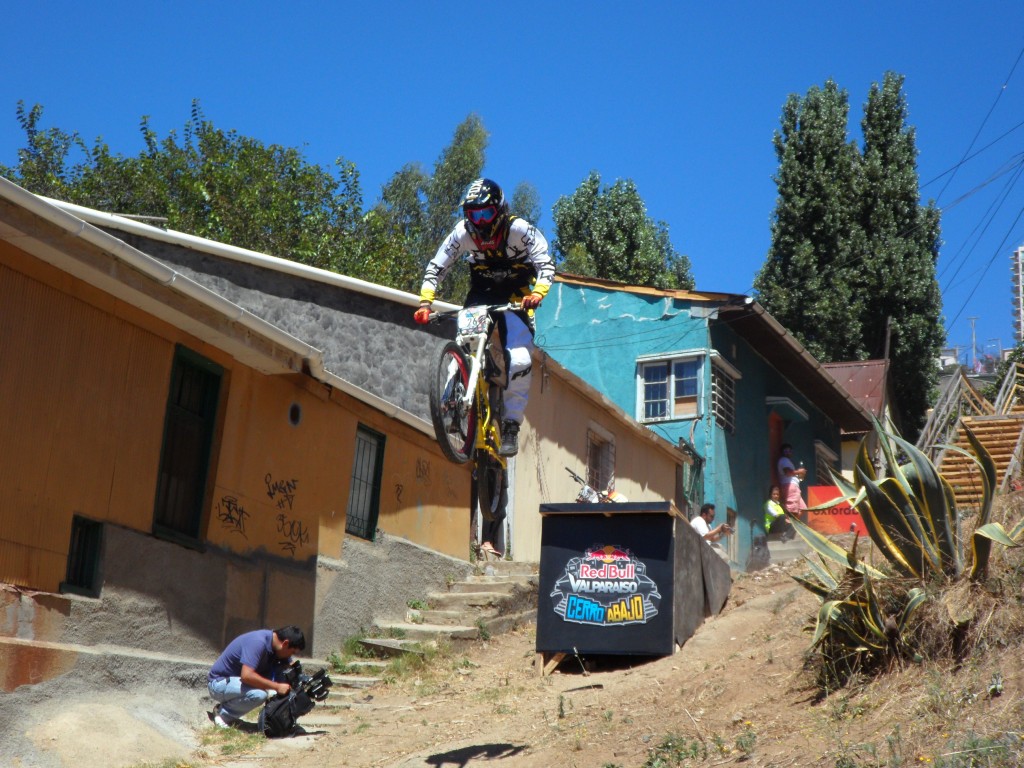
column 454, row 420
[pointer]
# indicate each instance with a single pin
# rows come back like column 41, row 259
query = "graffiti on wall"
column 423, row 471
column 281, row 492
column 294, row 533
column 232, row 514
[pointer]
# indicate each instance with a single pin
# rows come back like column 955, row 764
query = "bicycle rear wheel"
column 454, row 420
column 491, row 487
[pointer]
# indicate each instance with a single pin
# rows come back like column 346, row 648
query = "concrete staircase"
column 500, row 597
column 999, row 435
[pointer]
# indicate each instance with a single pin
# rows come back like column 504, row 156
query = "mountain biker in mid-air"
column 508, row 261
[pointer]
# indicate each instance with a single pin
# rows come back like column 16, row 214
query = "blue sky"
column 683, row 98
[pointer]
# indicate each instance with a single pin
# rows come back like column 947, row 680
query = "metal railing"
column 958, row 398
column 1011, row 390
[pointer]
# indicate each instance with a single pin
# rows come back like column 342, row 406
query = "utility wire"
column 981, row 127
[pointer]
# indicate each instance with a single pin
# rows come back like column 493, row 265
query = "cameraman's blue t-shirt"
column 254, row 649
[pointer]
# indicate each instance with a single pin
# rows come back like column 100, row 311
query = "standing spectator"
column 789, row 482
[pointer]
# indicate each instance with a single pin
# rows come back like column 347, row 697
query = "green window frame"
column 190, row 419
column 364, row 492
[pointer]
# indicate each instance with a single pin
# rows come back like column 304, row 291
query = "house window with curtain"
column 669, row 389
column 364, row 493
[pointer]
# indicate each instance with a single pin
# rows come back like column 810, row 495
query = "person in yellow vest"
column 775, row 518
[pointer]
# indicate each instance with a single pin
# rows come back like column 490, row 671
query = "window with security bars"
column 189, row 423
column 825, row 460
column 723, row 398
column 84, row 554
column 600, row 460
column 364, row 494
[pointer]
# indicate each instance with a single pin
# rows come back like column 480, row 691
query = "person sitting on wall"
column 250, row 669
column 702, row 525
column 775, row 518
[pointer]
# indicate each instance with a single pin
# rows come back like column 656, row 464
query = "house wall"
column 83, row 382
column 599, row 334
column 554, row 437
column 741, row 464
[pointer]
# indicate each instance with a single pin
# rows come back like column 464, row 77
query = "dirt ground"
column 738, row 692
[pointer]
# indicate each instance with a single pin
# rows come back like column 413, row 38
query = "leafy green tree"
column 607, row 232
column 896, row 277
column 526, row 202
column 44, row 164
column 816, row 240
column 209, row 182
column 416, row 211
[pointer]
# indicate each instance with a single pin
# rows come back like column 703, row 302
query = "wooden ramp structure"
column 999, row 427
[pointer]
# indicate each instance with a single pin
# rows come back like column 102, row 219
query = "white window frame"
column 670, row 360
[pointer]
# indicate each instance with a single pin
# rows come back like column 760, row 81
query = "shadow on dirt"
column 461, row 757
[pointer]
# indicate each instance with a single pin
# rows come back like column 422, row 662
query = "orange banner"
column 840, row 518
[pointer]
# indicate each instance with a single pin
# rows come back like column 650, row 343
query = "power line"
column 991, row 109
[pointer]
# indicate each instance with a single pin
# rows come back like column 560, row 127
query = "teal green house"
column 713, row 373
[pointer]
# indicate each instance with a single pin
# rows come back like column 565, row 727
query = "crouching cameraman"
column 252, row 666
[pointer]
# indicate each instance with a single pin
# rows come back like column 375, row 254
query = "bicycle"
column 467, row 400
column 589, row 495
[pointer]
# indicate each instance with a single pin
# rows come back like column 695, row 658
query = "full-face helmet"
column 485, row 209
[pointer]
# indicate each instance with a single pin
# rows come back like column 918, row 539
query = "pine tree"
column 805, row 282
column 851, row 267
column 897, row 277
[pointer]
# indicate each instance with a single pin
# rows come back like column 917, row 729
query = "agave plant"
column 910, row 514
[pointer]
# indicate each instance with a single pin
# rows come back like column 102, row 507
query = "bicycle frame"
column 478, row 324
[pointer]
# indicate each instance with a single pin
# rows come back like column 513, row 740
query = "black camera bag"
column 280, row 713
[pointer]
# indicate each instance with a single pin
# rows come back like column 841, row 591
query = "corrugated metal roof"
column 864, row 380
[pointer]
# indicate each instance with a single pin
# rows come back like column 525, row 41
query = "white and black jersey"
column 509, row 267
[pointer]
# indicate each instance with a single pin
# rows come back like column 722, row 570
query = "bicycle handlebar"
column 510, row 307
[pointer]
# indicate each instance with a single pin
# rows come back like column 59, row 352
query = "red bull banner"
column 838, row 518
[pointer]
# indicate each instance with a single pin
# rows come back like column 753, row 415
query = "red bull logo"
column 607, row 586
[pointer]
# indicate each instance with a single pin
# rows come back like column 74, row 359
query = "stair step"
column 354, row 681
column 461, row 600
column 383, row 646
column 429, row 632
column 484, row 584
column 455, row 616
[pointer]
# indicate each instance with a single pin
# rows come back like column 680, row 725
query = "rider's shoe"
column 509, row 438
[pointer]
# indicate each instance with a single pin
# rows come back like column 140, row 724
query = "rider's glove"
column 532, row 301
column 422, row 315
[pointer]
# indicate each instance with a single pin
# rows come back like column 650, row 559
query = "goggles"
column 482, row 215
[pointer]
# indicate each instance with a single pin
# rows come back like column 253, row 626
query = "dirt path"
column 737, row 693
column 738, row 676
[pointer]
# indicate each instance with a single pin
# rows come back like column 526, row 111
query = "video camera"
column 315, row 686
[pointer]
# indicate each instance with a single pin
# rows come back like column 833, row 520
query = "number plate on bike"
column 473, row 320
